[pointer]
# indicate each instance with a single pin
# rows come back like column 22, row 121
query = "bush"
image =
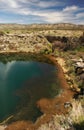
column 2, row 33
column 46, row 51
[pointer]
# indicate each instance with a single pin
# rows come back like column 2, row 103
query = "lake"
column 22, row 84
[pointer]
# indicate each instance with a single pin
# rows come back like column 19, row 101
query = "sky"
column 42, row 11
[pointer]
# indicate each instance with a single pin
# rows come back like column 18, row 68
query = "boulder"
column 67, row 105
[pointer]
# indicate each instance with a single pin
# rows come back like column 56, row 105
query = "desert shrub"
column 2, row 33
column 79, row 126
column 64, row 39
column 56, row 53
column 81, row 40
column 46, row 51
column 57, row 44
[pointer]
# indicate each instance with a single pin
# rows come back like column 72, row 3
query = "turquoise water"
column 22, row 84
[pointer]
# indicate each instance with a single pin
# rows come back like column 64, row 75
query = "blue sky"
column 42, row 11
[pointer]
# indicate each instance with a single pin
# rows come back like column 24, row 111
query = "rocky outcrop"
column 23, row 42
column 66, row 43
column 79, row 70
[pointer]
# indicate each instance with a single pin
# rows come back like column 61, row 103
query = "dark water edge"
column 22, row 112
column 22, row 56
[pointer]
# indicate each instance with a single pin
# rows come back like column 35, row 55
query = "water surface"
column 22, row 84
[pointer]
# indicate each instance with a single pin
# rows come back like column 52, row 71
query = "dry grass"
column 61, row 122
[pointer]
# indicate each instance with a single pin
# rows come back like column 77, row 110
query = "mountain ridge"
column 46, row 26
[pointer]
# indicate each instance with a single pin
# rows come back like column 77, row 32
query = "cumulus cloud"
column 28, row 3
column 43, row 11
column 71, row 8
column 8, row 4
column 51, row 3
column 67, row 14
column 80, row 15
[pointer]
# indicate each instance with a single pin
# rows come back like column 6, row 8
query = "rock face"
column 79, row 71
column 23, row 42
column 66, row 43
column 37, row 37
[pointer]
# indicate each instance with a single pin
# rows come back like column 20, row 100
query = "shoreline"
column 50, row 107
column 4, row 121
column 64, row 85
column 54, row 106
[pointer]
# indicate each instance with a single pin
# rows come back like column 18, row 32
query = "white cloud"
column 38, row 8
column 36, row 3
column 80, row 15
column 64, row 15
column 71, row 8
column 8, row 4
column 46, row 4
column 24, row 11
column 50, row 16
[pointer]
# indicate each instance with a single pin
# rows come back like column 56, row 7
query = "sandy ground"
column 2, row 127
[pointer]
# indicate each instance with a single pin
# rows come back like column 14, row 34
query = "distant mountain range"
column 42, row 26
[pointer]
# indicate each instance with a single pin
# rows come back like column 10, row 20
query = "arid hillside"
column 42, row 26
column 63, row 44
column 40, row 37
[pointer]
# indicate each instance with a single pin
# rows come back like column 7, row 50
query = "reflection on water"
column 22, row 83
